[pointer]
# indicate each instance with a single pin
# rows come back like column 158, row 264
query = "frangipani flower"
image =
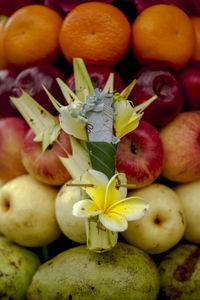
column 108, row 201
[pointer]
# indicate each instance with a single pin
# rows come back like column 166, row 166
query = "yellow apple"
column 73, row 227
column 189, row 196
column 163, row 225
column 27, row 212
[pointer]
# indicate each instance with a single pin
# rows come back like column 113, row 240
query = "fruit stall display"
column 99, row 150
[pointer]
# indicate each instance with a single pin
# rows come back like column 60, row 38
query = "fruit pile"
column 43, row 255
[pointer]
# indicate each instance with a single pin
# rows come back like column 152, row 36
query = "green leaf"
column 102, row 156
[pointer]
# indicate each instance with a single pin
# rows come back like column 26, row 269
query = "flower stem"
column 99, row 238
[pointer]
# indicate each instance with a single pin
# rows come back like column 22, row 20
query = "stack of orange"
column 101, row 34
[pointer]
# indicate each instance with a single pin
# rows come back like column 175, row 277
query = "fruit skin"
column 179, row 273
column 3, row 61
column 71, row 226
column 17, row 267
column 7, row 8
column 140, row 155
column 190, row 79
column 27, row 210
column 163, row 33
column 196, row 25
column 163, row 225
column 7, row 79
column 125, row 272
column 46, row 166
column 189, row 196
column 32, row 80
column 12, row 133
column 187, row 5
column 180, row 139
column 99, row 76
column 64, row 7
column 103, row 33
column 158, row 80
column 31, row 36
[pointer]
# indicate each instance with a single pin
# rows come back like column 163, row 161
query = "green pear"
column 17, row 267
column 180, row 273
column 27, row 212
column 125, row 272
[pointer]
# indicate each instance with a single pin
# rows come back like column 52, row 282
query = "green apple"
column 73, row 227
column 189, row 196
column 17, row 267
column 163, row 225
column 27, row 212
column 125, row 272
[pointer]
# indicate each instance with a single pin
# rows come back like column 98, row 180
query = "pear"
column 27, row 212
column 180, row 273
column 125, row 272
column 72, row 227
column 17, row 267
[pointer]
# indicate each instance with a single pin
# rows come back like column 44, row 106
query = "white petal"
column 97, row 192
column 113, row 193
column 132, row 208
column 114, row 221
column 70, row 125
column 85, row 209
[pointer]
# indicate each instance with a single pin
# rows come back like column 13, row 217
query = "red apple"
column 64, row 6
column 99, row 76
column 160, row 81
column 12, row 133
column 190, row 77
column 181, row 144
column 32, row 79
column 45, row 166
column 140, row 155
column 10, row 6
column 189, row 6
column 7, row 78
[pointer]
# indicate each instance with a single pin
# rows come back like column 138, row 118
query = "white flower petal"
column 85, row 209
column 132, row 208
column 114, row 221
column 97, row 192
column 114, row 193
column 70, row 125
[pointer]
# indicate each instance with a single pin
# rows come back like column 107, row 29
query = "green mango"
column 125, row 272
column 17, row 267
column 180, row 273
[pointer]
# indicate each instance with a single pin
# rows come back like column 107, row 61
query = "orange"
column 97, row 32
column 3, row 61
column 163, row 33
column 31, row 36
column 196, row 25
